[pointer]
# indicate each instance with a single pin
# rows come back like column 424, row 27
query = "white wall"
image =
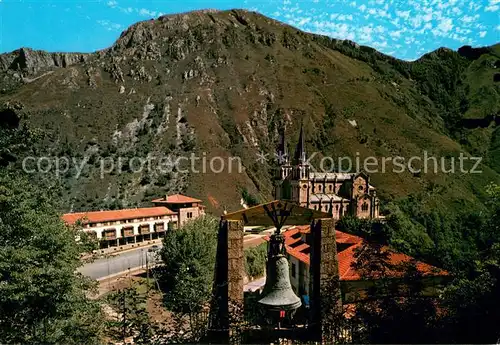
column 99, row 228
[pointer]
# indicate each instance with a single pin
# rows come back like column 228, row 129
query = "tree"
column 468, row 310
column 42, row 299
column 249, row 199
column 133, row 318
column 255, row 260
column 187, row 273
column 15, row 139
column 395, row 309
column 473, row 298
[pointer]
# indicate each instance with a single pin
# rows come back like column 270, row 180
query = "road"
column 117, row 263
column 136, row 258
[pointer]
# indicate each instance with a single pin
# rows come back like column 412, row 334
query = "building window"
column 360, row 188
column 319, row 187
column 294, row 268
column 331, row 188
column 364, row 207
column 190, row 214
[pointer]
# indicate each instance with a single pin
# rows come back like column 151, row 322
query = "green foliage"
column 407, row 320
column 42, row 299
column 372, row 230
column 188, row 256
column 133, row 318
column 471, row 301
column 255, row 260
column 473, row 298
column 407, row 235
column 250, row 199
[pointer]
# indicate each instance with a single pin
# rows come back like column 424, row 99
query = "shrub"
column 255, row 260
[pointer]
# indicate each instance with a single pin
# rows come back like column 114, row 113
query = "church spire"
column 300, row 150
column 282, row 148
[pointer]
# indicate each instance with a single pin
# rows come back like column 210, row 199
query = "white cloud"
column 379, row 45
column 415, row 21
column 408, row 23
column 109, row 25
column 474, row 7
column 395, row 34
column 382, row 13
column 403, row 14
column 462, row 30
column 427, row 17
column 366, row 33
column 395, row 22
column 343, row 17
column 469, row 19
column 303, row 21
column 112, row 3
column 492, row 8
column 445, row 25
column 147, row 13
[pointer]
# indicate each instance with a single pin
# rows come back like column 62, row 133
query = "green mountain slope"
column 222, row 83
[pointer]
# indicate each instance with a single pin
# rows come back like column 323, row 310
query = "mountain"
column 221, row 83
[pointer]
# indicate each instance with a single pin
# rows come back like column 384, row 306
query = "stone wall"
column 325, row 296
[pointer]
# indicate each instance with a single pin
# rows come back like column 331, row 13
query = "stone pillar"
column 226, row 313
column 236, row 272
column 325, row 296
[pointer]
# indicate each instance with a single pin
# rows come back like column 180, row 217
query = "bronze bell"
column 277, row 292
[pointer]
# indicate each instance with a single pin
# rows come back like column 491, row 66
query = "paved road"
column 102, row 268
column 136, row 258
column 255, row 285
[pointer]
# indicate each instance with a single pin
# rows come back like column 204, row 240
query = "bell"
column 277, row 292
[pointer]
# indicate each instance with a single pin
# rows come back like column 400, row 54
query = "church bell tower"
column 300, row 179
column 292, row 180
column 284, row 171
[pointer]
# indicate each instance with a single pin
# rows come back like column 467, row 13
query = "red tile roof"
column 106, row 216
column 177, row 199
column 347, row 257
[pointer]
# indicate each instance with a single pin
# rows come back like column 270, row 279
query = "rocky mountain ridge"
column 221, row 83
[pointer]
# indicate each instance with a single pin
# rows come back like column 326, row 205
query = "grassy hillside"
column 221, row 83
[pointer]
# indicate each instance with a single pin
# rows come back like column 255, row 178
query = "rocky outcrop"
column 29, row 62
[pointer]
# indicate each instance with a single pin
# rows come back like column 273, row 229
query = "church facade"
column 336, row 193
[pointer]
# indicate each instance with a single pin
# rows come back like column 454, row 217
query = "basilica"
column 336, row 193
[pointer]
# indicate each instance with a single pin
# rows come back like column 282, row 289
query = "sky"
column 406, row 29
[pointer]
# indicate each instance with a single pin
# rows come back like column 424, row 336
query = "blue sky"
column 402, row 28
